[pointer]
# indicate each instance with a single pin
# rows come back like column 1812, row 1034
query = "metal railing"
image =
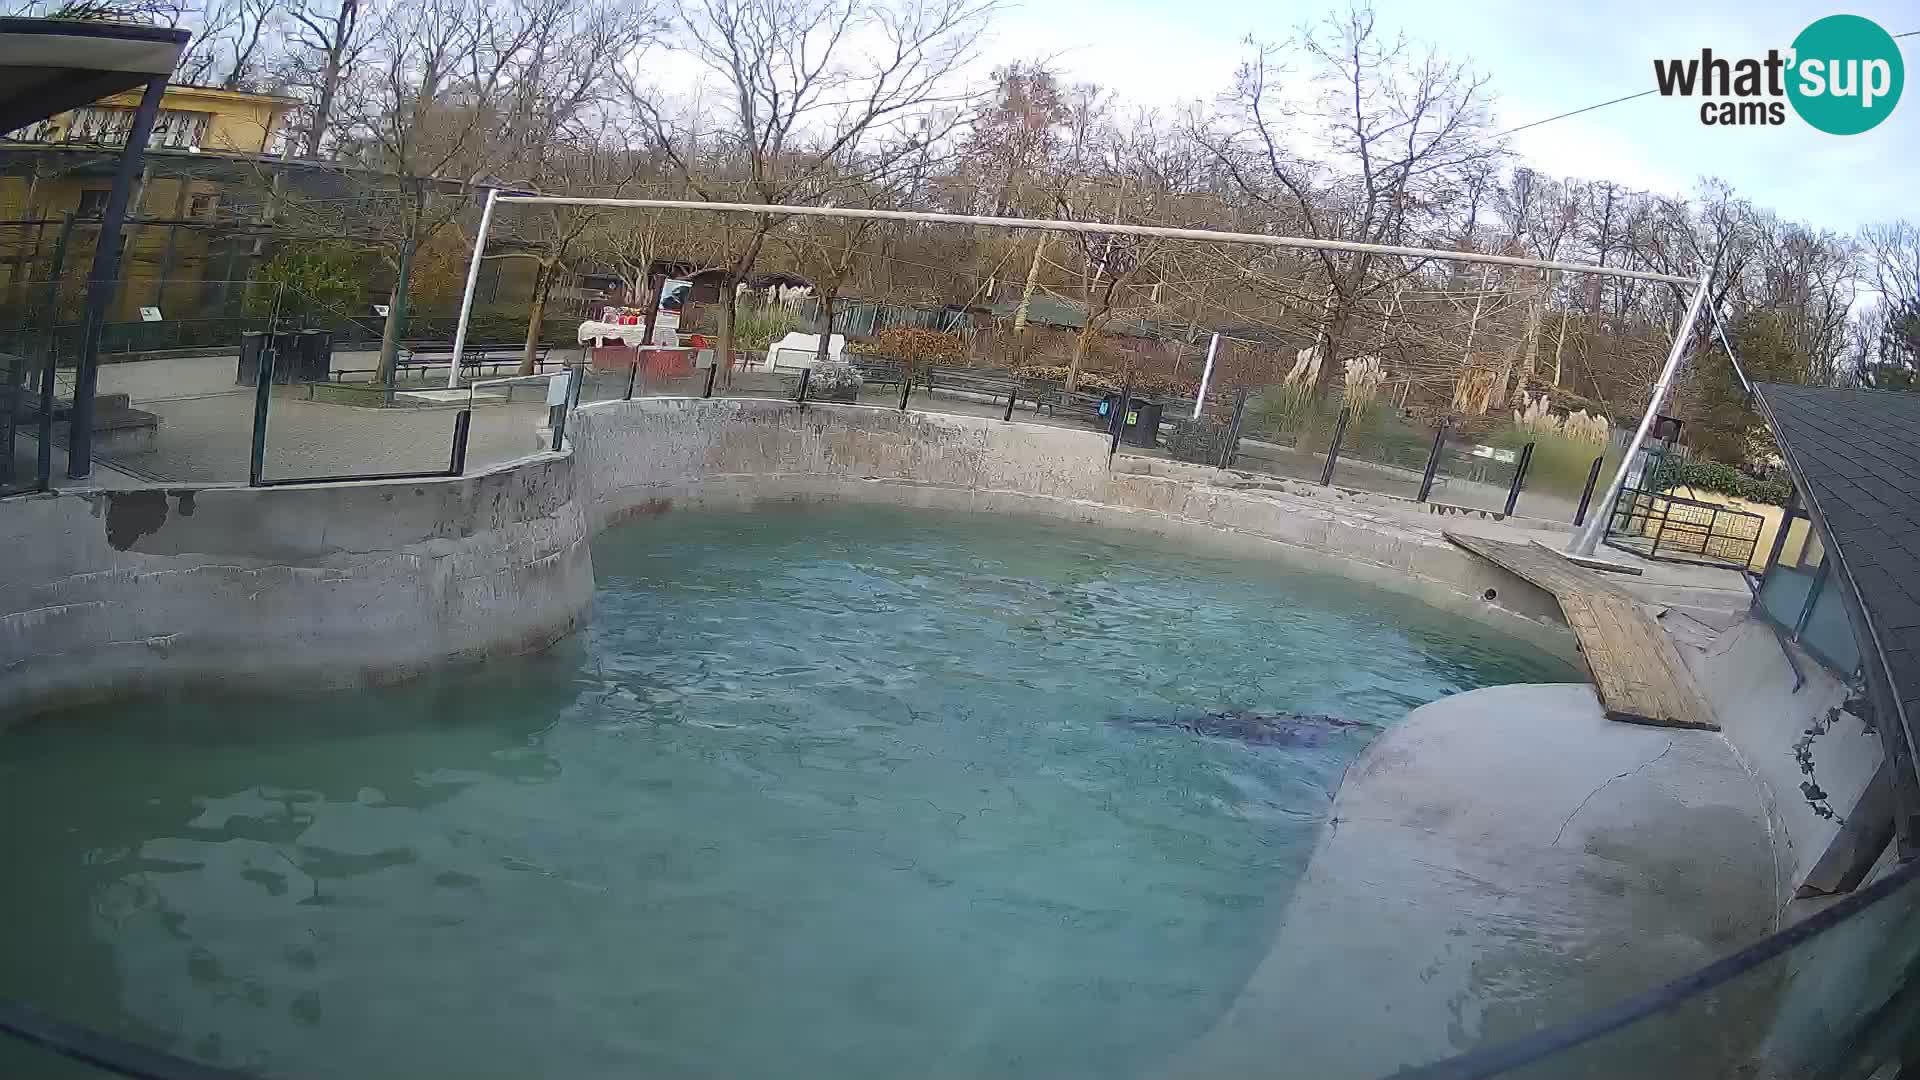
column 1656, row 525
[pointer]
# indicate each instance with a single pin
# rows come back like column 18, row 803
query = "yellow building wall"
column 241, row 123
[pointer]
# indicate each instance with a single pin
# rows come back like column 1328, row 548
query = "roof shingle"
column 1856, row 457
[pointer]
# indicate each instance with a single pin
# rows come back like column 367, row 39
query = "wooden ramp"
column 1640, row 675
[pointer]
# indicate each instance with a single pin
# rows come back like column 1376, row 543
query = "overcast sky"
column 1543, row 62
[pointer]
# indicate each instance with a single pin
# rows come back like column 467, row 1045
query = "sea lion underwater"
column 1251, row 727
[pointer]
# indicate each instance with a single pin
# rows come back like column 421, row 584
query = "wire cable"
column 1576, row 112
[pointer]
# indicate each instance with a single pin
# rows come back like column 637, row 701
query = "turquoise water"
column 820, row 793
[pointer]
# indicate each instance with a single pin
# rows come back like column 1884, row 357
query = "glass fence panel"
column 1384, row 451
column 1832, row 996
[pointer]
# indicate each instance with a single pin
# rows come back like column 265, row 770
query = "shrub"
column 1725, row 479
column 1365, row 374
column 1143, row 383
column 757, row 327
column 913, row 346
column 836, row 379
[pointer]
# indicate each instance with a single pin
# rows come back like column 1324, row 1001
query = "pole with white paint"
column 1206, row 376
column 466, row 298
column 1587, row 540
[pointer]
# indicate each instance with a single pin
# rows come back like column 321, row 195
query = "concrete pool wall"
column 113, row 593
column 124, row 592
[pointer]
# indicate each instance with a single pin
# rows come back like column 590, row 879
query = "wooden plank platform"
column 1640, row 675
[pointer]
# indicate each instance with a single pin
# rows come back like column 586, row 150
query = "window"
column 93, row 203
column 201, row 205
column 179, row 130
column 1801, row 596
column 172, row 129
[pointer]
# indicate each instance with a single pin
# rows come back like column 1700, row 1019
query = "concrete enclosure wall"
column 119, row 592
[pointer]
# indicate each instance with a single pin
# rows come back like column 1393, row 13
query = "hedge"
column 1725, row 479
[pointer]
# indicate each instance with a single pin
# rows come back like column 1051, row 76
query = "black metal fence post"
column 461, row 422
column 1118, row 422
column 1231, row 449
column 43, row 471
column 1011, row 394
column 806, row 376
column 1586, row 496
column 1333, row 448
column 633, row 374
column 906, row 386
column 103, row 281
column 1519, row 477
column 1433, row 460
column 262, row 398
column 712, row 371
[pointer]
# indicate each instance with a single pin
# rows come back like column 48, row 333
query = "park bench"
column 478, row 361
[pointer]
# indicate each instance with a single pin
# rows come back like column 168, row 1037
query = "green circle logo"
column 1846, row 74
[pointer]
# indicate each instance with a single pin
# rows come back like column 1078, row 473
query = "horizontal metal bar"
column 362, row 478
column 101, row 1050
column 1100, row 228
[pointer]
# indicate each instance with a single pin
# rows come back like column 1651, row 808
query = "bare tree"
column 1888, row 352
column 227, row 47
column 817, row 95
column 1400, row 130
column 327, row 38
column 417, row 126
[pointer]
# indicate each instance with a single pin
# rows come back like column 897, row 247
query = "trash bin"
column 248, row 373
column 1143, row 423
column 316, row 356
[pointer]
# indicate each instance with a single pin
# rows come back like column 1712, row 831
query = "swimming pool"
column 821, row 792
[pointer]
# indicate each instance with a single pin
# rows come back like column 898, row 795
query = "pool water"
column 823, row 792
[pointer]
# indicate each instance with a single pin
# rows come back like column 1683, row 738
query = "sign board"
column 1495, row 453
column 149, row 314
column 674, row 294
column 557, row 389
column 381, row 310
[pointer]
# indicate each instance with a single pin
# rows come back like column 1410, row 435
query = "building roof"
column 1855, row 457
column 49, row 66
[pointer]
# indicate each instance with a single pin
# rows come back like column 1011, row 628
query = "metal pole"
column 52, row 316
column 461, row 422
column 262, row 399
column 1232, row 447
column 1119, row 423
column 1433, row 460
column 712, row 370
column 1586, row 496
column 1519, row 477
column 1011, row 395
column 806, row 376
column 1097, row 228
column 906, row 385
column 473, row 280
column 43, row 472
column 103, row 279
column 1588, row 538
column 1206, row 376
column 1333, row 448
